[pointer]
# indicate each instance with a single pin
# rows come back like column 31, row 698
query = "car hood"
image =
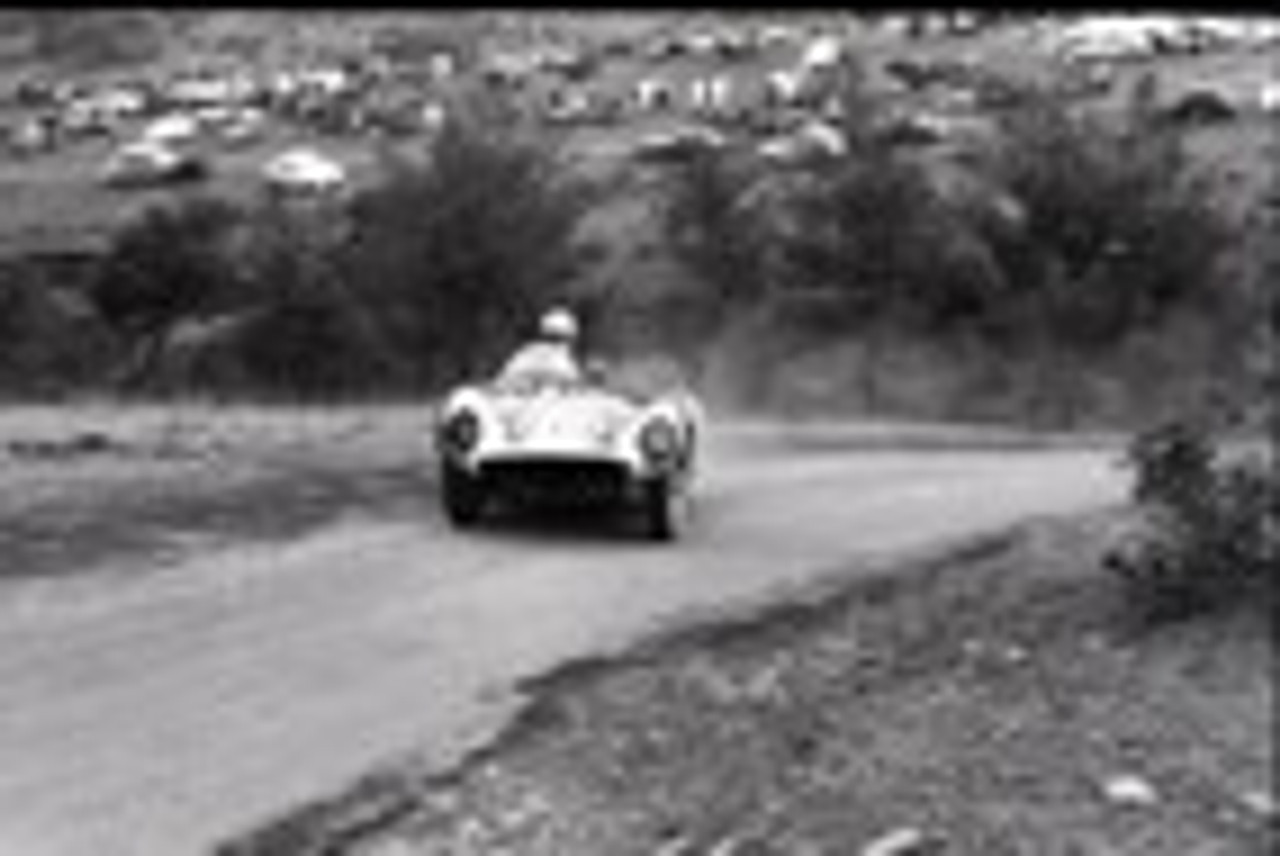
column 562, row 420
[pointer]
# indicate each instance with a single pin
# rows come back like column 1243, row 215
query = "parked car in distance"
column 149, row 164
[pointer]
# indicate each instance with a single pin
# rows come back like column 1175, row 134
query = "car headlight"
column 659, row 442
column 460, row 433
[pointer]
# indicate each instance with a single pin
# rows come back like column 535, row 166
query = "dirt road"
column 151, row 717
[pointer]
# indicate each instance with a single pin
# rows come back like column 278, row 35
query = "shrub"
column 168, row 264
column 1208, row 534
column 1055, row 248
column 314, row 332
column 51, row 340
column 873, row 232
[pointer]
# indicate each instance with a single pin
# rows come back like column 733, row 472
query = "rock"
column 677, row 846
column 1016, row 655
column 529, row 809
column 725, row 847
column 443, row 802
column 1262, row 803
column 1129, row 790
column 764, row 686
column 904, row 841
column 1096, row 643
column 391, row 847
column 973, row 648
column 470, row 832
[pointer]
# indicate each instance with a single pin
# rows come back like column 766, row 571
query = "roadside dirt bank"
column 1001, row 701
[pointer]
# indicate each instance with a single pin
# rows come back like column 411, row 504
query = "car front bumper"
column 559, row 479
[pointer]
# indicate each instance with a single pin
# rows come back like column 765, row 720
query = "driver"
column 551, row 355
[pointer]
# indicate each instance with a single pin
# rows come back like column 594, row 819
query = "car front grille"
column 570, row 481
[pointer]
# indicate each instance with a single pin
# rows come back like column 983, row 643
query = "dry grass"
column 91, row 487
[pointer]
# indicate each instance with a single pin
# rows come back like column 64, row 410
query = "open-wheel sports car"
column 548, row 441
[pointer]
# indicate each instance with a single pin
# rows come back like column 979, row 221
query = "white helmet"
column 558, row 324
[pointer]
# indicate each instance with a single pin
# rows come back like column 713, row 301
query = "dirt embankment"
column 999, row 702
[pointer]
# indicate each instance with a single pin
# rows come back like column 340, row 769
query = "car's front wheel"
column 463, row 496
column 666, row 509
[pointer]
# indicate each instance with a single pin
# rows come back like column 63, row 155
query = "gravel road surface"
column 155, row 714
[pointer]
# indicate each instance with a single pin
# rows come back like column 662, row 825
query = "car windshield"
column 636, row 381
column 528, row 383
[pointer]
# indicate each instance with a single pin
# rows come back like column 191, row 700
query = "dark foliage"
column 169, row 264
column 51, row 340
column 454, row 257
column 713, row 229
column 1209, row 533
column 425, row 277
column 1118, row 228
column 1055, row 248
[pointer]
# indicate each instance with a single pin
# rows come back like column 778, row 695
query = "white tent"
column 822, row 52
column 1123, row 36
column 1269, row 97
column 304, row 169
column 434, row 116
column 824, row 137
column 1103, row 38
column 172, row 129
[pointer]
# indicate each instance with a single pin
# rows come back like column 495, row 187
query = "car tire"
column 666, row 508
column 463, row 496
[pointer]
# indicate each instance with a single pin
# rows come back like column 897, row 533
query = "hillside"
column 104, row 115
column 78, row 50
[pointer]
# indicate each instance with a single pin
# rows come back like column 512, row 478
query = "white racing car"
column 548, row 441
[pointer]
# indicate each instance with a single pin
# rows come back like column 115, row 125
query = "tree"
column 313, row 334
column 167, row 264
column 1119, row 228
column 711, row 227
column 454, row 256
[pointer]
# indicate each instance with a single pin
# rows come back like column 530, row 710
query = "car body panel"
column 565, row 423
column 574, row 442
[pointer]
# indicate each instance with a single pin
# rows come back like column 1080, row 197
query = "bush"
column 51, row 340
column 172, row 264
column 1208, row 534
column 875, row 232
column 421, row 279
column 314, row 333
column 169, row 264
column 1064, row 249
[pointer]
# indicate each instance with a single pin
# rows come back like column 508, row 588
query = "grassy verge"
column 87, row 488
